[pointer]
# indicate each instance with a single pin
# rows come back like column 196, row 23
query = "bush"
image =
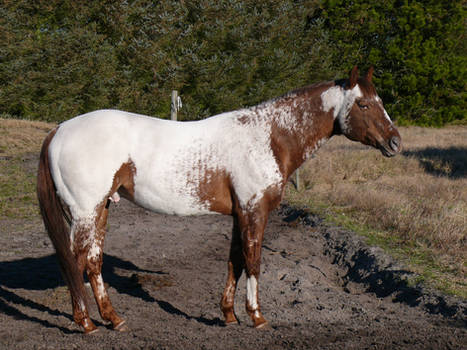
column 63, row 58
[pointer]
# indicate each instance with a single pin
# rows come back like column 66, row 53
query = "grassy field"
column 413, row 205
column 20, row 143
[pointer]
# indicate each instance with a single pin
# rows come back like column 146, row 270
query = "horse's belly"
column 182, row 181
column 177, row 200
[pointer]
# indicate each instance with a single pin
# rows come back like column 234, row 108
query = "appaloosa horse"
column 235, row 163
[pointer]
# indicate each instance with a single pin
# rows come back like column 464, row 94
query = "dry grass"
column 20, row 143
column 18, row 137
column 416, row 202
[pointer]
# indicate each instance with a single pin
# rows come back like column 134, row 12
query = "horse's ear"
column 369, row 74
column 353, row 77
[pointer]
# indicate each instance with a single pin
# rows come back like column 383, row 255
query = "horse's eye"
column 362, row 105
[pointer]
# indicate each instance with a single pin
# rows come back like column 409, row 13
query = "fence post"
column 174, row 105
column 297, row 179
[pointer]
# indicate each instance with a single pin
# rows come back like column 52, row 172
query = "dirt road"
column 320, row 288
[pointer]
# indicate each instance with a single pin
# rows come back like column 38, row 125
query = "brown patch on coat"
column 215, row 191
column 313, row 124
column 124, row 182
column 305, row 105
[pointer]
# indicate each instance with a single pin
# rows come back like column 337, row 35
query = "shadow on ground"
column 375, row 271
column 449, row 162
column 385, row 281
column 43, row 273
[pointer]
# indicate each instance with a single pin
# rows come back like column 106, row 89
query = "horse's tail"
column 53, row 215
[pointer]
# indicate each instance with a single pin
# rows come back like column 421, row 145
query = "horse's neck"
column 299, row 126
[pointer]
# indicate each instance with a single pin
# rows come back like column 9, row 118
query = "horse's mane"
column 296, row 92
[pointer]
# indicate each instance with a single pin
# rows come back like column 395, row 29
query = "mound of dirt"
column 320, row 288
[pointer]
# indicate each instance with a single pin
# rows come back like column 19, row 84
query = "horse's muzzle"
column 393, row 147
column 395, row 144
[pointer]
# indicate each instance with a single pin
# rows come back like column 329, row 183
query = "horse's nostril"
column 395, row 143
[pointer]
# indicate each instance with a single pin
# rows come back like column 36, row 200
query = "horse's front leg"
column 252, row 227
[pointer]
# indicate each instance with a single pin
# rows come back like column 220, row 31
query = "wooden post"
column 174, row 105
column 297, row 179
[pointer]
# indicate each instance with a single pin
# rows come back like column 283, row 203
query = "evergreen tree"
column 62, row 58
column 417, row 47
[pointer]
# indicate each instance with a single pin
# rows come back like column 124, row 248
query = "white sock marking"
column 251, row 292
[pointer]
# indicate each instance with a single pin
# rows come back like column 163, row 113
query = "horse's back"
column 88, row 150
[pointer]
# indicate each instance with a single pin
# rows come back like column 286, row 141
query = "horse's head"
column 363, row 117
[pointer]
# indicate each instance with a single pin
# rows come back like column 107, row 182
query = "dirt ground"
column 320, row 288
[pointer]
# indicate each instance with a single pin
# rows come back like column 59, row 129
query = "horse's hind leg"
column 235, row 267
column 94, row 268
column 80, row 234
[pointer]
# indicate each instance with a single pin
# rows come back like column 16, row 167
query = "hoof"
column 230, row 323
column 263, row 326
column 91, row 331
column 229, row 317
column 88, row 326
column 260, row 322
column 121, row 327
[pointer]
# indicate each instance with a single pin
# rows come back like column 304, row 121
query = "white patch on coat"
column 115, row 197
column 94, row 251
column 230, row 292
column 380, row 102
column 341, row 101
column 332, row 98
column 84, row 155
column 100, row 287
column 82, row 306
column 84, row 225
column 171, row 158
column 387, row 116
column 251, row 292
